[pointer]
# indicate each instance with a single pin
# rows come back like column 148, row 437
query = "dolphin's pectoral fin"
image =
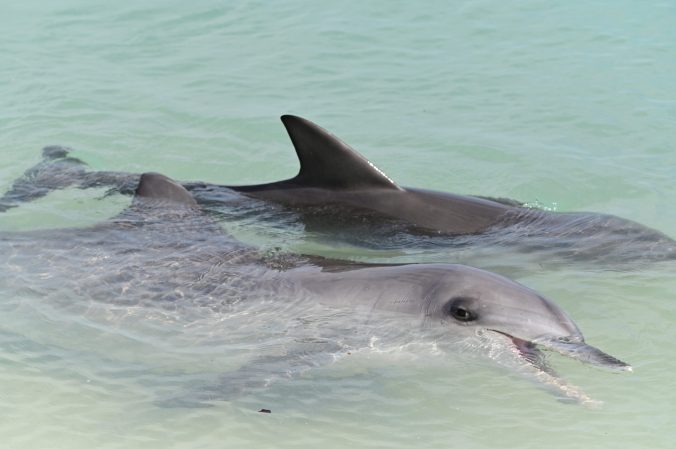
column 326, row 161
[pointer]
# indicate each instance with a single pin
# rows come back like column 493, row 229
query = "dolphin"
column 336, row 181
column 337, row 192
column 165, row 252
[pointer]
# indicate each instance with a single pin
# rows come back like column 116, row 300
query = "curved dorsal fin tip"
column 157, row 186
column 326, row 161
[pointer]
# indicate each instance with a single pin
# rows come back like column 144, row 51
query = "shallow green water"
column 571, row 106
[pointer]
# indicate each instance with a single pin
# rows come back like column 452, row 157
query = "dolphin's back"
column 332, row 174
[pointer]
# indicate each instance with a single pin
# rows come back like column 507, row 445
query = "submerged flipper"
column 328, row 162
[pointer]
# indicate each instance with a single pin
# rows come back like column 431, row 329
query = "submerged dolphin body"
column 164, row 252
column 338, row 192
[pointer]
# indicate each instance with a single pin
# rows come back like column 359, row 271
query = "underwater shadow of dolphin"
column 163, row 243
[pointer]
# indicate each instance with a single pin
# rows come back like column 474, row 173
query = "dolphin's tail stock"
column 58, row 170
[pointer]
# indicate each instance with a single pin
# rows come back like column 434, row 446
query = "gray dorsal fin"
column 154, row 186
column 326, row 161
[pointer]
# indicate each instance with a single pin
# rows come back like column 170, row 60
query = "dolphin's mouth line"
column 576, row 349
column 528, row 351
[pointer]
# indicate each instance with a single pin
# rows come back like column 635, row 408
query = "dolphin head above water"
column 473, row 298
column 484, row 301
column 163, row 242
column 459, row 301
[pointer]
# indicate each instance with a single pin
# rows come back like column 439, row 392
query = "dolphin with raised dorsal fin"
column 336, row 181
column 331, row 172
column 164, row 244
column 337, row 184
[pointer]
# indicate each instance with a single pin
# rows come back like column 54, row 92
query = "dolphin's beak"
column 577, row 349
column 573, row 347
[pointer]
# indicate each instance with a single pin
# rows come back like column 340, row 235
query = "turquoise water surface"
column 569, row 106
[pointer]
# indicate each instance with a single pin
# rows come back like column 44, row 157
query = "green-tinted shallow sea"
column 569, row 105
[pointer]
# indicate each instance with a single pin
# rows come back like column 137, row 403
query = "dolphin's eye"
column 459, row 309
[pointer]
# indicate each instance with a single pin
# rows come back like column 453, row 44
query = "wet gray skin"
column 340, row 194
column 461, row 300
column 164, row 252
